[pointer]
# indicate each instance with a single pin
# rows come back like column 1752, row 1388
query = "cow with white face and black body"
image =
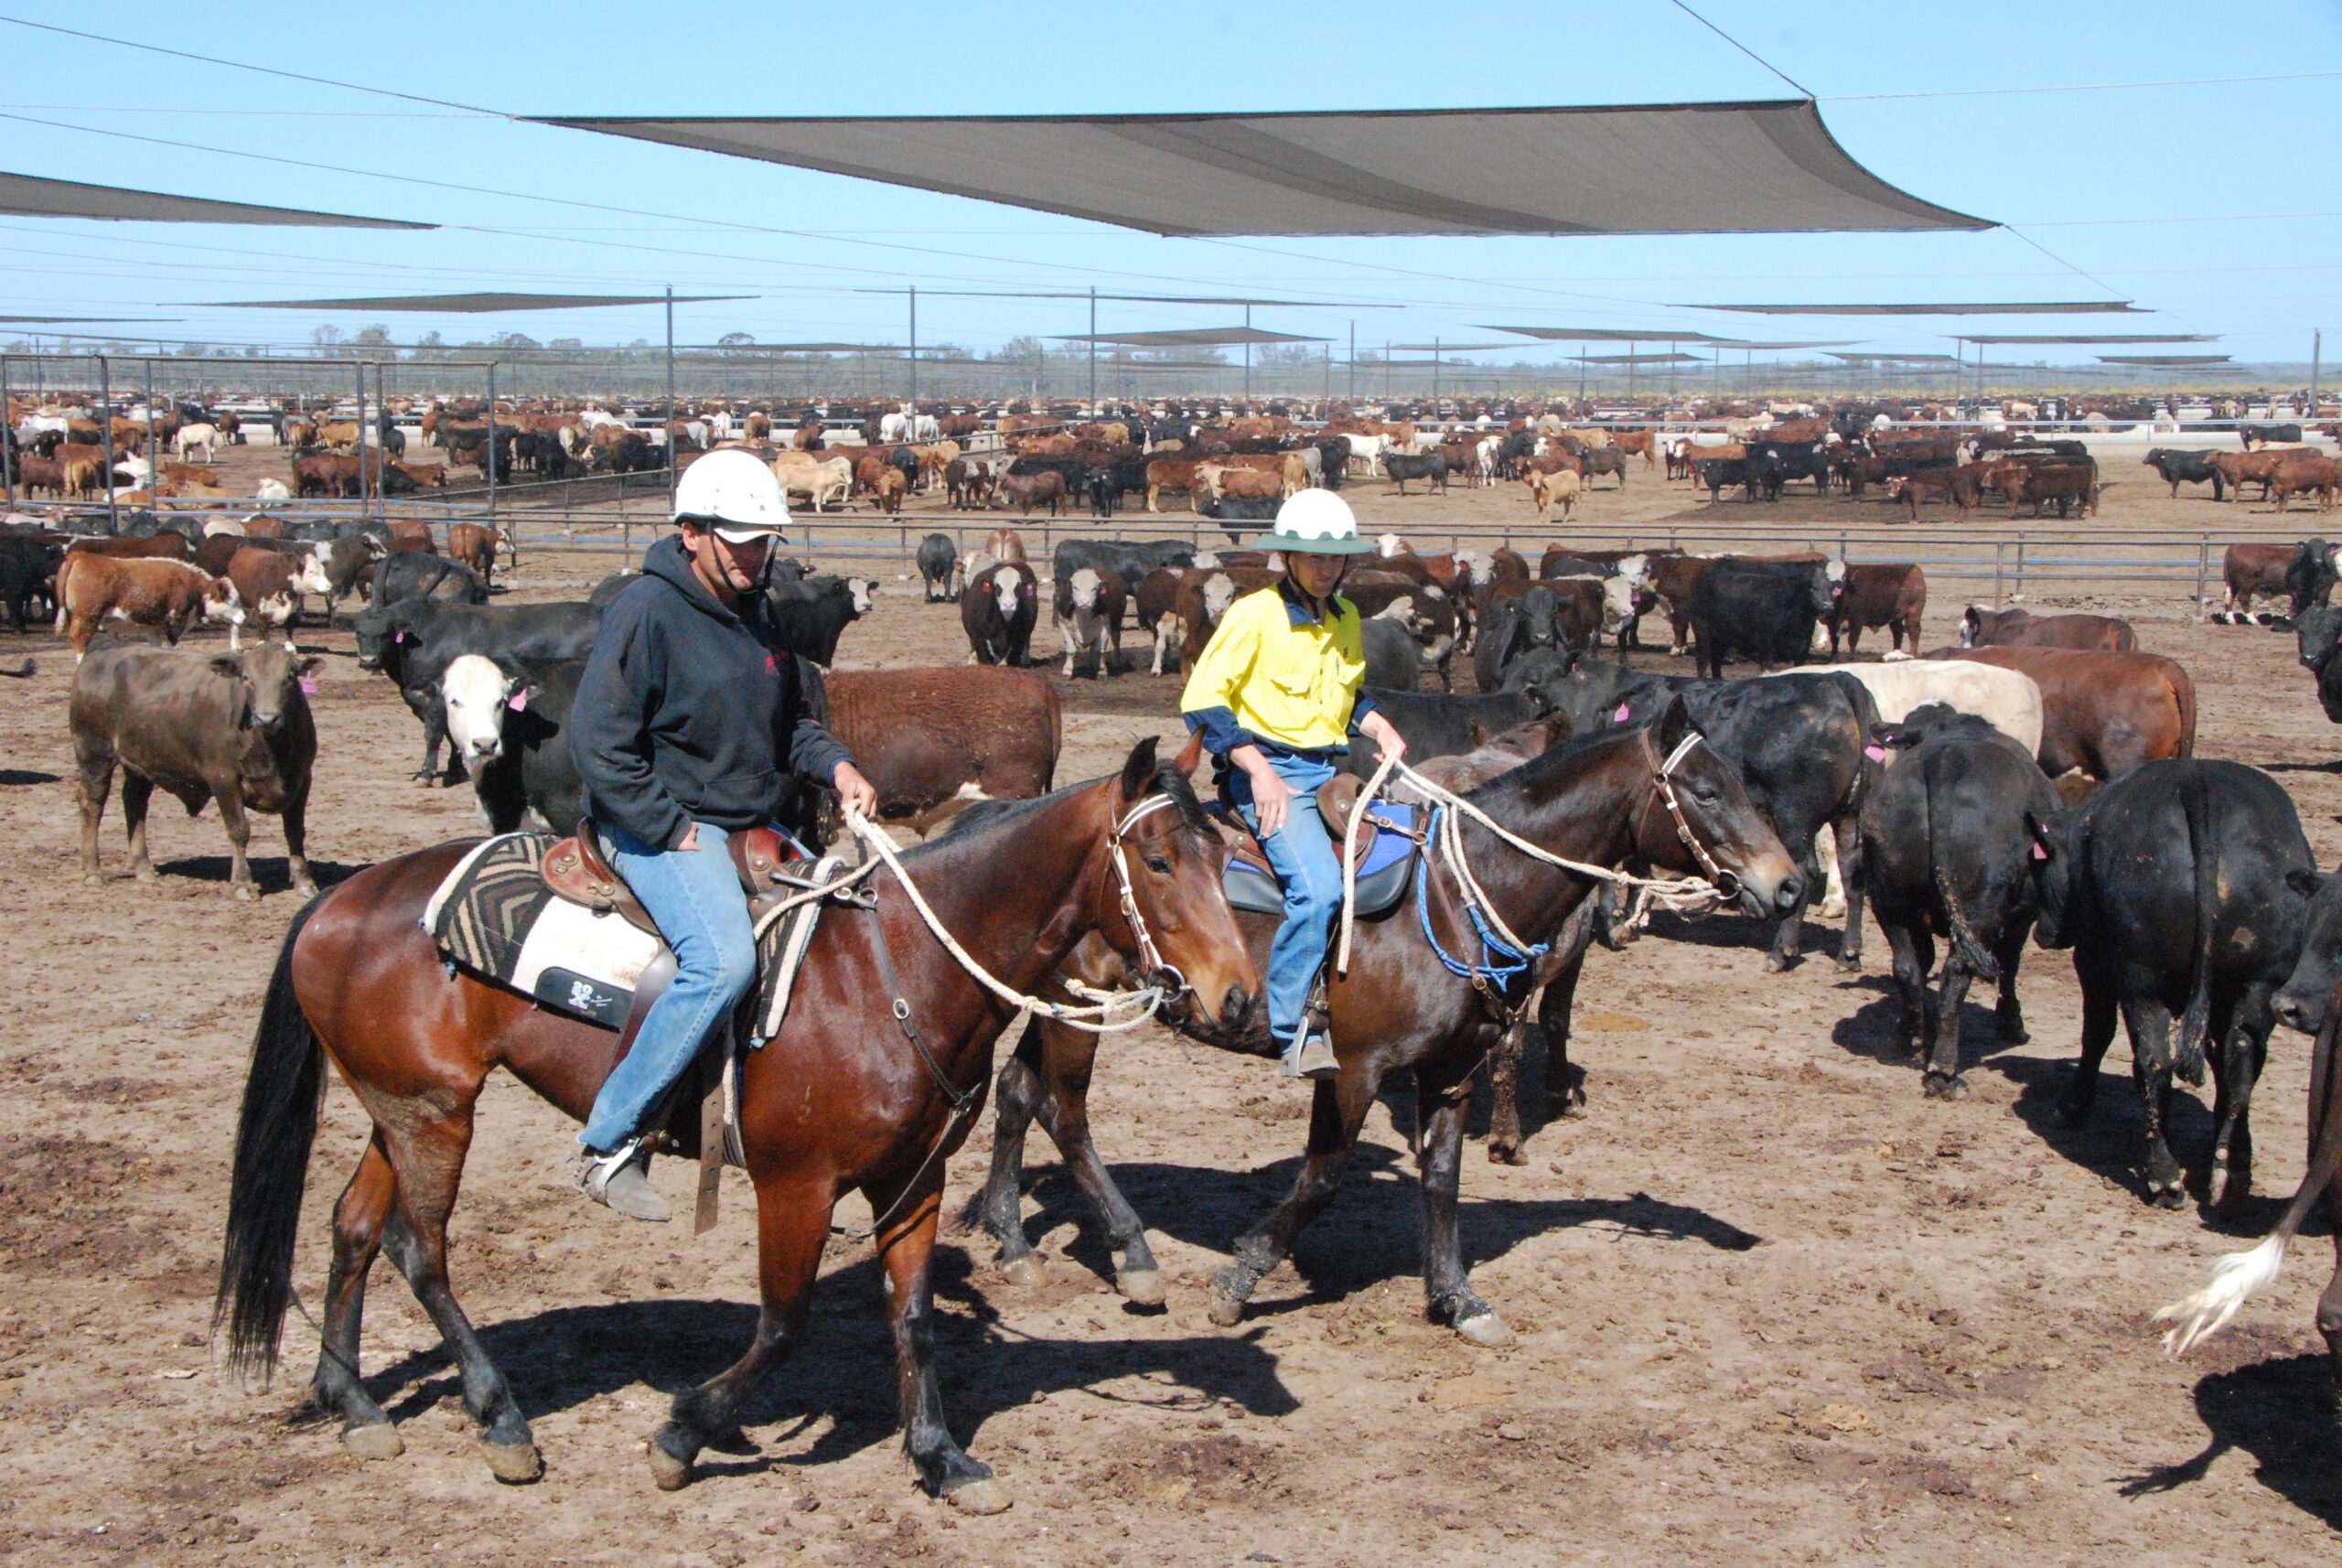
column 811, row 615
column 1087, row 611
column 508, row 723
column 998, row 610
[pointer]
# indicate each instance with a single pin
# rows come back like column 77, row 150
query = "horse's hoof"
column 2167, row 1196
column 1141, row 1287
column 376, row 1440
column 1851, row 965
column 1485, row 1329
column 1506, row 1153
column 514, row 1463
column 94, row 880
column 985, row 1496
column 1941, row 1087
column 1775, row 963
column 245, row 893
column 1024, row 1271
column 1226, row 1308
column 670, row 1473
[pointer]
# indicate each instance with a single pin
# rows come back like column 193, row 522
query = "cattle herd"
column 2035, row 782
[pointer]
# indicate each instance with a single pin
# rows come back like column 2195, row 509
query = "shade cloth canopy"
column 1669, row 168
column 1610, row 334
column 1897, row 358
column 2087, row 337
column 1195, row 337
column 1747, row 346
column 34, row 196
column 809, row 348
column 473, row 304
column 2069, row 308
column 1454, row 347
column 2165, row 360
column 89, row 320
column 1142, row 299
column 1638, row 358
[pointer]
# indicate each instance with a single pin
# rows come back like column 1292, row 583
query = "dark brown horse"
column 840, row 1101
column 1400, row 1007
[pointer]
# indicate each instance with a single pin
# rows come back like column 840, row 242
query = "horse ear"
column 1672, row 726
column 1191, row 755
column 1138, row 772
column 1479, row 733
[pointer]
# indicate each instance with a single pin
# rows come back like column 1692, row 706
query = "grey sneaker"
column 1313, row 1058
column 621, row 1181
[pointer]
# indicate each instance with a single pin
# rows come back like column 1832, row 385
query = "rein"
column 1446, row 834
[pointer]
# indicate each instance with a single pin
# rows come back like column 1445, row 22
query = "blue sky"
column 2217, row 206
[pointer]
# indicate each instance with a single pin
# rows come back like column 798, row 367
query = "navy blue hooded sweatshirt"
column 688, row 713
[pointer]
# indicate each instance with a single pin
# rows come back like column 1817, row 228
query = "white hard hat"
column 731, row 492
column 1315, row 523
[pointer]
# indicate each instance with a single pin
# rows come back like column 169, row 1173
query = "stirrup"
column 617, row 1180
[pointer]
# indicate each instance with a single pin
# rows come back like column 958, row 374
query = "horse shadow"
column 2280, row 1410
column 1369, row 1233
column 14, row 776
column 844, row 1369
column 273, row 873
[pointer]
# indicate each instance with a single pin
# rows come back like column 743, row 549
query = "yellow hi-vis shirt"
column 1279, row 674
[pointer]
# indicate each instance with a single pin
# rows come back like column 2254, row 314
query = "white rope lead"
column 1148, row 1001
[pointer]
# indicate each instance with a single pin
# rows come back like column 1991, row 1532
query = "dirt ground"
column 1772, row 1307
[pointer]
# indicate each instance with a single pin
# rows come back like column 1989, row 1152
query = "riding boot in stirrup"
column 1310, row 1054
column 620, row 1180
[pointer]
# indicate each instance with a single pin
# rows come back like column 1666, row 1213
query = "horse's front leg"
column 907, row 1247
column 1068, row 1056
column 792, row 1226
column 999, row 1207
column 1335, row 1118
column 1441, row 1102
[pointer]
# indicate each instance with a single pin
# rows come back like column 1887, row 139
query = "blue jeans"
column 695, row 896
column 1310, row 868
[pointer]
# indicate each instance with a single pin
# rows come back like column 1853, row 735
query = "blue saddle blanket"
column 1382, row 876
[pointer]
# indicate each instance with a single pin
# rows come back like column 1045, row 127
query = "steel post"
column 7, row 442
column 105, row 418
column 487, row 458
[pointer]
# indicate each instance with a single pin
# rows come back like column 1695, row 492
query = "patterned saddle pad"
column 494, row 916
column 1388, row 866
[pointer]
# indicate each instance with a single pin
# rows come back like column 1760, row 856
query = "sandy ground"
column 1772, row 1306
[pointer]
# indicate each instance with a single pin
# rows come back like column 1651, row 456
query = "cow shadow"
column 273, row 873
column 565, row 1357
column 2113, row 1143
column 2280, row 1410
column 18, row 777
column 1370, row 1233
column 2333, row 767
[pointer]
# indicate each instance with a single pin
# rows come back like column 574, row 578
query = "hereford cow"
column 1088, row 613
column 234, row 729
column 2182, row 889
column 269, row 586
column 811, row 613
column 1885, row 594
column 166, row 596
column 933, row 740
column 412, row 641
column 1981, row 627
column 160, row 547
column 2102, row 713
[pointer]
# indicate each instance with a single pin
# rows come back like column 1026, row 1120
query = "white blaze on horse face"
column 474, row 690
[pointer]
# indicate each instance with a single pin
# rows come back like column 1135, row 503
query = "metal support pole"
column 671, row 470
column 2202, row 570
column 914, row 294
column 1435, row 379
column 2317, row 352
column 1094, row 351
column 1353, row 361
column 365, row 495
column 1247, row 357
column 487, row 458
column 105, row 417
column 154, row 453
column 7, row 439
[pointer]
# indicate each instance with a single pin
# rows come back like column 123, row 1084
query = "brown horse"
column 1600, row 802
column 840, row 1101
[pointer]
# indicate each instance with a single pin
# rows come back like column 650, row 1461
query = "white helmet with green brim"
column 1317, row 522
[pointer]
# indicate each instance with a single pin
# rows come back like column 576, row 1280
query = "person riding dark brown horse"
column 870, row 1084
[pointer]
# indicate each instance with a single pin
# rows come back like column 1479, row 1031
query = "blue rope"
column 1490, row 943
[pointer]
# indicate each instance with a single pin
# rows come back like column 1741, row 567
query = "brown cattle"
column 932, row 741
column 2020, row 629
column 1004, row 544
column 1154, row 602
column 38, row 473
column 84, row 468
column 967, row 484
column 234, row 729
column 1247, row 483
column 2044, row 483
column 889, row 490
column 327, row 474
column 2255, row 570
column 1025, row 491
column 428, row 475
column 2236, row 468
column 191, row 474
column 1957, row 486
column 165, row 546
column 2102, row 713
column 412, row 534
column 165, row 594
column 1551, row 491
column 344, row 434
column 269, row 586
column 1647, row 443
column 1893, row 594
column 1672, row 578
column 2306, row 471
column 1168, row 474
column 474, row 544
column 1204, row 596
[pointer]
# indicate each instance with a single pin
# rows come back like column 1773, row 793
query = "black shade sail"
column 2162, row 360
column 87, row 321
column 33, row 196
column 1897, row 358
column 1669, row 168
column 472, row 303
column 2069, row 308
column 2087, row 337
column 1638, row 358
column 1610, row 334
column 1197, row 337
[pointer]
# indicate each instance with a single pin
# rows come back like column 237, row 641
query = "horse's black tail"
column 2195, row 1023
column 283, row 1091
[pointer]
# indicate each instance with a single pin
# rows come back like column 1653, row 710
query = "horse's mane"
column 984, row 816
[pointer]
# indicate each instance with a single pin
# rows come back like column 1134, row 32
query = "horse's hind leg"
column 944, row 1468
column 429, row 1160
column 1335, row 1117
column 366, row 1430
column 999, row 1206
column 1440, row 1108
column 1067, row 1058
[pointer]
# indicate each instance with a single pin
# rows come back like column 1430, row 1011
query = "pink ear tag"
column 1620, row 716
column 518, row 700
column 2040, row 854
column 398, row 637
column 1876, row 753
column 309, row 686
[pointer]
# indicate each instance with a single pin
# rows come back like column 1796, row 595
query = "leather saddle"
column 575, row 870
column 1388, row 843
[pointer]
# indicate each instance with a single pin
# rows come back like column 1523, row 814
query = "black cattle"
column 1393, row 658
column 1755, row 476
column 412, row 641
column 28, row 575
column 1067, row 465
column 2268, row 435
column 1946, row 848
column 1333, row 460
column 609, row 589
column 1439, row 724
column 1133, row 558
column 1238, row 508
column 2179, row 467
column 1761, row 610
column 998, row 610
column 2310, row 574
column 533, row 770
column 811, row 615
column 1428, row 467
column 2182, row 889
column 1797, row 460
column 1103, row 491
column 936, row 555
column 410, row 575
column 1512, row 629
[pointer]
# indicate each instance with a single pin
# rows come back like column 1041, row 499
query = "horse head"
column 1173, row 916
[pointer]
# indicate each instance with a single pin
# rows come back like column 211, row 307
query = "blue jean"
column 694, row 897
column 1302, row 856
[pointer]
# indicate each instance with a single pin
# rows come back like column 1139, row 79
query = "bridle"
column 1727, row 883
column 1150, row 957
